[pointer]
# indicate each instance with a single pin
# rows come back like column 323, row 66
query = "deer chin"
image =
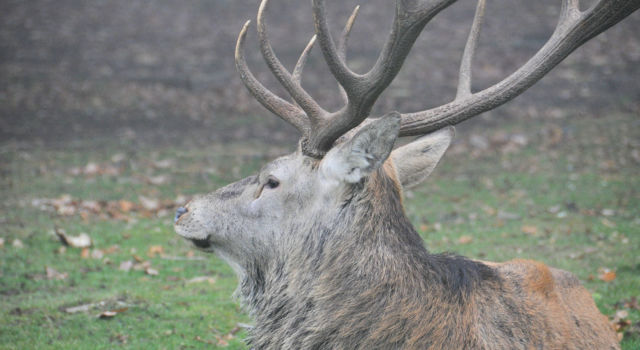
column 203, row 242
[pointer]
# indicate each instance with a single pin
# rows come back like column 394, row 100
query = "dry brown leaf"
column 91, row 169
column 17, row 243
column 81, row 241
column 158, row 180
column 164, row 164
column 118, row 157
column 608, row 223
column 530, row 230
column 52, row 274
column 85, row 253
column 126, row 265
column 150, row 204
column 209, row 279
column 93, row 206
column 465, row 239
column 221, row 341
column 126, row 206
column 97, row 254
column 606, row 275
column 489, row 210
column 113, row 249
column 155, row 250
column 107, row 314
column 79, row 308
column 112, row 313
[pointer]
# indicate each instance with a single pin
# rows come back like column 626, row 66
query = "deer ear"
column 365, row 152
column 416, row 160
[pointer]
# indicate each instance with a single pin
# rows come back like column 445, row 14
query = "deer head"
column 341, row 191
column 337, row 151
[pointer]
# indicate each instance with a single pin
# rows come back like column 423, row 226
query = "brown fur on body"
column 381, row 289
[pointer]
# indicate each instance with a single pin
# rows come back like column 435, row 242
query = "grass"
column 573, row 205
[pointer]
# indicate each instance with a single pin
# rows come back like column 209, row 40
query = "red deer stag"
column 325, row 254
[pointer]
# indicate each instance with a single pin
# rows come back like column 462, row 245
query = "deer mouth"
column 202, row 243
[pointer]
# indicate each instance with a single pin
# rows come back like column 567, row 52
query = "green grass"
column 560, row 191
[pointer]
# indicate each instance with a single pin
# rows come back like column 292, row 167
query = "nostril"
column 179, row 212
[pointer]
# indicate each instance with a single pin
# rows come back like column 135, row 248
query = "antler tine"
column 303, row 99
column 302, row 60
column 342, row 46
column 573, row 29
column 345, row 76
column 363, row 90
column 290, row 113
column 464, row 77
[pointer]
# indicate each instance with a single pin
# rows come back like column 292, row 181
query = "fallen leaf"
column 154, row 250
column 81, row 241
column 112, row 313
column 113, row 249
column 530, row 230
column 608, row 212
column 93, row 206
column 622, row 314
column 221, row 341
column 489, row 210
column 79, row 308
column 158, row 180
column 201, row 279
column 151, row 271
column 17, row 243
column 465, row 239
column 504, row 215
column 164, row 164
column 97, row 254
column 52, row 274
column 608, row 223
column 83, row 307
column 85, row 253
column 606, row 275
column 150, row 204
column 118, row 157
column 126, row 206
column 126, row 265
column 91, row 169
column 1, row 242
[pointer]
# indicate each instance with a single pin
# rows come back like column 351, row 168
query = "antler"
column 574, row 28
column 321, row 128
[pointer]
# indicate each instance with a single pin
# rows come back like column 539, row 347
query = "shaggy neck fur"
column 361, row 276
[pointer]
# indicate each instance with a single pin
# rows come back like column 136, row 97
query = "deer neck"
column 367, row 244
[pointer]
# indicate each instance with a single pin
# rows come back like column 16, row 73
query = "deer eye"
column 272, row 183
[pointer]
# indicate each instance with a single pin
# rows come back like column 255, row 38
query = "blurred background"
column 113, row 113
column 163, row 71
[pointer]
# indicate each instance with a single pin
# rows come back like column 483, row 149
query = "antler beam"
column 320, row 128
column 573, row 29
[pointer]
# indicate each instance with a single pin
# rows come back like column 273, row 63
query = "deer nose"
column 179, row 212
